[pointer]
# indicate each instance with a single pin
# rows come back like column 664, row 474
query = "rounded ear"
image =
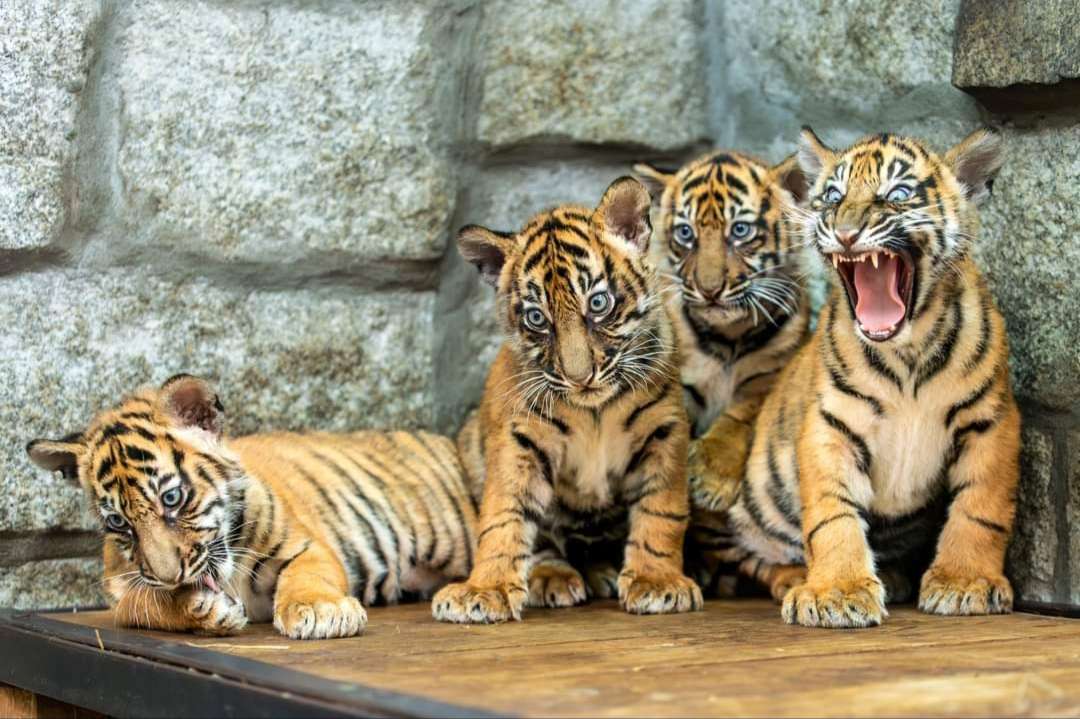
column 813, row 155
column 789, row 175
column 975, row 161
column 192, row 402
column 624, row 212
column 487, row 249
column 654, row 179
column 58, row 455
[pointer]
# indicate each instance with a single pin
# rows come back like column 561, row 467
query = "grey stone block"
column 52, row 584
column 846, row 68
column 46, row 48
column 1033, row 551
column 321, row 358
column 289, row 130
column 596, row 72
column 1008, row 42
column 1028, row 248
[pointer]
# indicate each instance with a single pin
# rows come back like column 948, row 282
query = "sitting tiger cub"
column 740, row 310
column 894, row 431
column 581, row 420
column 204, row 534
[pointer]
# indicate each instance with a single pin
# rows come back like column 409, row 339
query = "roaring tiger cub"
column 894, row 429
column 204, row 534
column 734, row 264
column 581, row 423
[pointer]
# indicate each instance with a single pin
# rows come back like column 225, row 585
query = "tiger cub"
column 581, row 422
column 736, row 296
column 894, row 431
column 204, row 534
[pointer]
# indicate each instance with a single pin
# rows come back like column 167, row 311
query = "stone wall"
column 266, row 193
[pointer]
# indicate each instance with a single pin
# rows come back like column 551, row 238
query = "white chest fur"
column 908, row 448
column 594, row 459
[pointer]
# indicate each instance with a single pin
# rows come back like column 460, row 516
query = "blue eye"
column 832, row 195
column 899, row 193
column 172, row 498
column 535, row 319
column 116, row 522
column 684, row 234
column 600, row 303
column 741, row 230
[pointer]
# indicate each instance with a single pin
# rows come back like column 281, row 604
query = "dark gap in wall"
column 1060, row 478
column 21, row 547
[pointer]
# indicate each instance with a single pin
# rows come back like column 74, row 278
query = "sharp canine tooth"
column 873, row 258
column 836, row 261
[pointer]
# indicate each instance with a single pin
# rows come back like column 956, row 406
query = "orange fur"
column 581, row 423
column 297, row 528
column 896, row 436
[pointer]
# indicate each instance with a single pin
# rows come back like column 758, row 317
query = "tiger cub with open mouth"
column 581, row 429
column 733, row 262
column 892, row 439
column 205, row 534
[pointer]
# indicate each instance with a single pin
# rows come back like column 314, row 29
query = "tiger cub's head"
column 163, row 485
column 577, row 298
column 893, row 218
column 726, row 238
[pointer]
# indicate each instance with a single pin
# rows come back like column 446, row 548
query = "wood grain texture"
column 735, row 658
column 20, row 704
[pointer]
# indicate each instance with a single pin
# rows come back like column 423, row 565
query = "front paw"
column 648, row 595
column 942, row 593
column 555, row 584
column 320, row 619
column 856, row 603
column 714, row 483
column 463, row 603
column 215, row 613
column 602, row 581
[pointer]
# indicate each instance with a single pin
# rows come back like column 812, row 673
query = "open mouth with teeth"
column 878, row 285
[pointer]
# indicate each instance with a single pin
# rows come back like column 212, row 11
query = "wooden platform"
column 736, row 658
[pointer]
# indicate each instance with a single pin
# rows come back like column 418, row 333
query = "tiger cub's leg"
column 312, row 600
column 717, row 460
column 779, row 578
column 553, row 582
column 652, row 579
column 841, row 588
column 516, row 495
column 967, row 575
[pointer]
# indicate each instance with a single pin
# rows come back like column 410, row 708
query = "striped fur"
column 886, row 448
column 733, row 265
column 581, row 433
column 204, row 534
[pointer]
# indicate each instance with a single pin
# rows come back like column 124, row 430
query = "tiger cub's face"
column 156, row 474
column 724, row 229
column 576, row 297
column 892, row 218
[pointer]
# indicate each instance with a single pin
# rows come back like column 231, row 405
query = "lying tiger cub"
column 894, row 430
column 204, row 534
column 581, row 422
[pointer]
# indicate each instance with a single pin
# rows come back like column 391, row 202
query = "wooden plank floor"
column 735, row 658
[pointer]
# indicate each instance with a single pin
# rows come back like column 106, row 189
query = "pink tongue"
column 880, row 307
column 210, row 583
